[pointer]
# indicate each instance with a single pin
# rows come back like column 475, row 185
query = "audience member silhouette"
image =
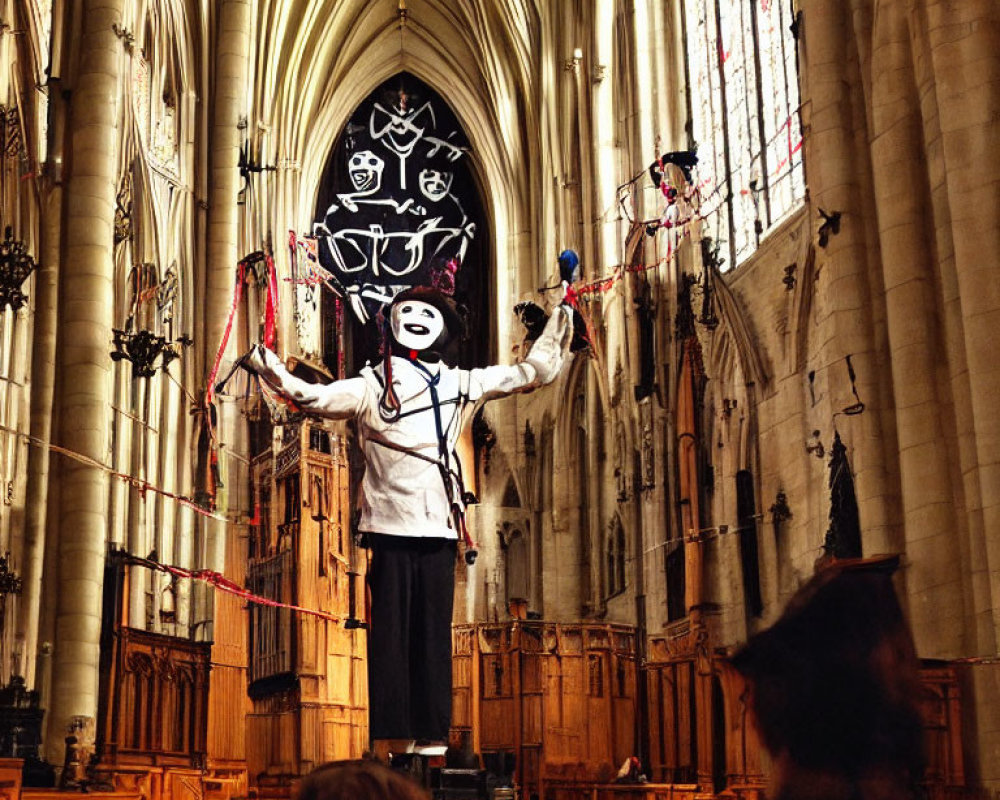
column 835, row 691
column 358, row 780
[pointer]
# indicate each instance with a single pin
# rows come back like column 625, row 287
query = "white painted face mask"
column 416, row 325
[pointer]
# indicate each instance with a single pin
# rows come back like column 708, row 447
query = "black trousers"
column 412, row 583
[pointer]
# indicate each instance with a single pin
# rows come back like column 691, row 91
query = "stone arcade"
column 786, row 216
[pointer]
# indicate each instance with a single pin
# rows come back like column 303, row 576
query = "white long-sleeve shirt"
column 405, row 494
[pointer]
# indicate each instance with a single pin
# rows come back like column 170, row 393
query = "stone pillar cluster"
column 85, row 321
column 164, row 141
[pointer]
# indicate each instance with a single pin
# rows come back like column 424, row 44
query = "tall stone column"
column 43, row 369
column 838, row 169
column 933, row 576
column 85, row 320
column 966, row 72
column 229, row 104
column 963, row 43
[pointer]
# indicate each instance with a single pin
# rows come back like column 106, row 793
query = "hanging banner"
column 307, row 279
column 396, row 215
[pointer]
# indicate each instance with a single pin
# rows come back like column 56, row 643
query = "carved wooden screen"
column 673, row 723
column 561, row 697
column 159, row 699
column 271, row 631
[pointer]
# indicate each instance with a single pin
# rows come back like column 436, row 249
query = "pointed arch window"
column 744, row 110
column 843, row 537
column 746, row 513
column 399, row 204
column 517, row 567
column 614, row 554
column 646, row 314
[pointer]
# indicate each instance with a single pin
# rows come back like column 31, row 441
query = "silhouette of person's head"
column 358, row 780
column 835, row 689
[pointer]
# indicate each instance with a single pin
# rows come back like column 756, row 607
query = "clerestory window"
column 744, row 109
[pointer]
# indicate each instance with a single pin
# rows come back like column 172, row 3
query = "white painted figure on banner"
column 396, row 210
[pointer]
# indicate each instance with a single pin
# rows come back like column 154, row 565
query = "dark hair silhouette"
column 358, row 780
column 835, row 686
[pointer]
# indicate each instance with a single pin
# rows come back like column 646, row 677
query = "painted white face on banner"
column 365, row 169
column 416, row 325
column 435, row 184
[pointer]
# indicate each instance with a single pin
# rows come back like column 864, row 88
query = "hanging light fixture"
column 137, row 345
column 10, row 581
column 15, row 267
column 142, row 348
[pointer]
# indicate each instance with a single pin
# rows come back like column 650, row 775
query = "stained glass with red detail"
column 744, row 118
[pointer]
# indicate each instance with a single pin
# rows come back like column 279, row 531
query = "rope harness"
column 451, row 477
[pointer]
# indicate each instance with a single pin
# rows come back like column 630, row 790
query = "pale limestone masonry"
column 899, row 109
column 85, row 322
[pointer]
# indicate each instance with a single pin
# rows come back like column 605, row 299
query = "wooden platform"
column 10, row 778
column 620, row 791
column 153, row 783
column 55, row 794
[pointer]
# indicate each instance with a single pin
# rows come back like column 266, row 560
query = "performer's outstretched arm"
column 540, row 366
column 337, row 400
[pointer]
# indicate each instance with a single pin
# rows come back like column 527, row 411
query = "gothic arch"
column 584, row 375
column 571, row 390
column 737, row 371
column 511, row 497
column 734, row 332
column 153, row 171
column 738, row 380
column 515, row 539
column 320, row 71
column 337, row 82
column 154, row 258
column 615, row 557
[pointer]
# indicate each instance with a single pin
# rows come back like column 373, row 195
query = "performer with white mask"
column 410, row 410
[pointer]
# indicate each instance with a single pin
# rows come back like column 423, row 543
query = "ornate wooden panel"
column 308, row 675
column 158, row 702
column 10, row 778
column 182, row 785
column 271, row 629
column 942, row 711
column 228, row 703
column 562, row 697
column 679, row 727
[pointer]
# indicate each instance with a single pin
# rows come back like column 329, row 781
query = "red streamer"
column 219, row 581
column 270, row 315
column 603, row 285
column 140, row 484
column 271, row 311
column 241, row 271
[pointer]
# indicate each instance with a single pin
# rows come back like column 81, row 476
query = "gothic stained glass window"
column 399, row 205
column 744, row 118
column 399, row 208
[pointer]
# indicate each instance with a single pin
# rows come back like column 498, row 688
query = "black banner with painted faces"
column 399, row 203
